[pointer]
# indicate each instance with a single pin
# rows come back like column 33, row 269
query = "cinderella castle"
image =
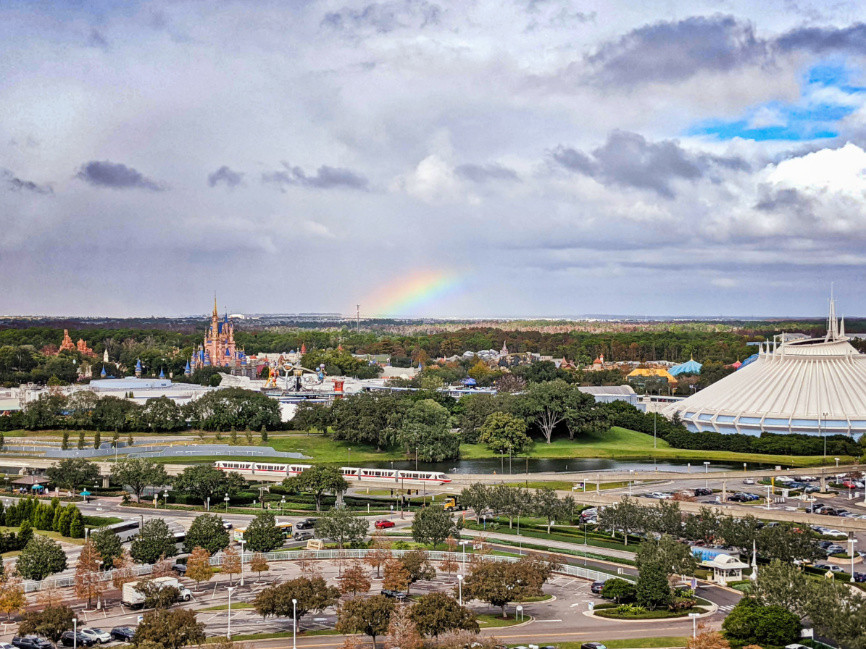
column 219, row 349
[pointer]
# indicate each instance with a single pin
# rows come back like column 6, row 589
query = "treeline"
column 220, row 410
column 45, row 516
column 767, row 443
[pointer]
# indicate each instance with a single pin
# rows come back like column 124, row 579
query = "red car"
column 380, row 525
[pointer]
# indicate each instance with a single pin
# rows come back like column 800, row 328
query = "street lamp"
column 282, row 504
column 74, row 633
column 208, row 503
column 837, row 462
column 294, row 623
column 694, row 617
column 227, row 503
column 416, row 458
column 707, row 472
column 348, row 456
column 463, row 543
column 229, row 629
column 460, row 587
column 852, row 541
column 242, row 561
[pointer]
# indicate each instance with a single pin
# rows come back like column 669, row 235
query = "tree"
column 837, row 612
column 88, row 584
column 478, row 497
column 231, row 564
column 402, row 633
column 50, row 622
column 64, row 444
column 76, row 523
column 204, row 482
column 652, row 588
column 97, row 440
column 162, row 567
column 198, row 566
column 156, row 596
column 138, row 474
column 498, row 584
column 318, row 480
column 396, row 575
column 312, row 594
column 168, row 629
column 545, row 404
column 626, row 516
column 505, row 433
column 124, row 570
column 12, row 597
column 82, row 443
column 417, row 564
column 437, row 613
column 262, row 533
column 433, row 525
column 787, row 542
column 41, row 557
column 708, row 639
column 676, row 558
column 259, row 564
column 425, row 430
column 449, row 564
column 751, row 623
column 782, row 584
column 71, row 472
column 229, row 408
column 511, row 502
column 368, row 615
column 619, row 590
column 264, row 434
column 379, row 552
column 154, row 540
column 108, row 545
column 354, row 579
column 341, row 526
column 207, row 531
column 546, row 505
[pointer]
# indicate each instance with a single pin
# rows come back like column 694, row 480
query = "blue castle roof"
column 689, row 367
column 161, row 373
column 102, row 373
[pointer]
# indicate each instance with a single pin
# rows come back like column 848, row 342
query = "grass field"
column 492, row 621
column 51, row 535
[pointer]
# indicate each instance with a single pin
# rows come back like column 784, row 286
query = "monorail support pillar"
column 339, row 499
column 724, row 491
column 105, row 481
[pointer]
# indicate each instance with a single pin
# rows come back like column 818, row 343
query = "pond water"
column 573, row 465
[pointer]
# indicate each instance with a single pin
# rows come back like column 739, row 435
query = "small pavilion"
column 725, row 568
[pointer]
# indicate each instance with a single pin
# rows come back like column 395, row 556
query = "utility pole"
column 358, row 317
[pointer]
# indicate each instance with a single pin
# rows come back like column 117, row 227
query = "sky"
column 429, row 158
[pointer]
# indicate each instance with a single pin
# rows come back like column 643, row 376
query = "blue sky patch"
column 814, row 116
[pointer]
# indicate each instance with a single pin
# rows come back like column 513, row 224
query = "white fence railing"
column 294, row 555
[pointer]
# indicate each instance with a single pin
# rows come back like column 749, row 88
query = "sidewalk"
column 559, row 545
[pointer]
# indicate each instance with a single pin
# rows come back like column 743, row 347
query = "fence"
column 294, row 555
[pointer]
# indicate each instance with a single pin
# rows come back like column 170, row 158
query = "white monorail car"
column 349, row 472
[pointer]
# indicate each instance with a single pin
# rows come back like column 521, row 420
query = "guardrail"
column 294, row 555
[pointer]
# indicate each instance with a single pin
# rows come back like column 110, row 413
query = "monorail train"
column 349, row 472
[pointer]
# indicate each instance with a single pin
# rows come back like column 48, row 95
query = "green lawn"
column 325, row 449
column 492, row 621
column 223, row 607
column 51, row 535
column 620, row 443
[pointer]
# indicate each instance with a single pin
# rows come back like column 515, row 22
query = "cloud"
column 629, row 159
column 825, row 39
column 385, row 17
column 225, row 176
column 482, row 173
column 116, row 176
column 96, row 39
column 326, row 178
column 674, row 51
column 16, row 184
column 434, row 181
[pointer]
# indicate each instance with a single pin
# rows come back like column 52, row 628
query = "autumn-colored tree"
column 352, row 642
column 198, row 566
column 162, row 567
column 12, row 597
column 396, row 575
column 708, row 639
column 379, row 552
column 88, row 584
column 259, row 564
column 402, row 632
column 49, row 594
column 231, row 563
column 354, row 579
column 309, row 567
column 450, row 564
column 481, row 546
column 124, row 570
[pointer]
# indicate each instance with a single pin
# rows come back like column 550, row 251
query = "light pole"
column 282, row 504
column 694, row 617
column 460, row 587
column 824, row 430
column 348, row 456
column 416, row 458
column 655, row 408
column 229, row 629
column 707, row 473
column 294, row 623
column 768, row 496
column 837, row 462
column 74, row 633
column 852, row 541
column 242, row 542
column 208, row 503
column 227, row 503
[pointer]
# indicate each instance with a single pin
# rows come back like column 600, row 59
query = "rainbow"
column 405, row 295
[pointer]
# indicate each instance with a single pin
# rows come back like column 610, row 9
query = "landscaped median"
column 632, row 612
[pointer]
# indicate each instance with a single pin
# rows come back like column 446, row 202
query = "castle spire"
column 215, row 314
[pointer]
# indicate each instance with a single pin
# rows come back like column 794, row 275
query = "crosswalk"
column 727, row 608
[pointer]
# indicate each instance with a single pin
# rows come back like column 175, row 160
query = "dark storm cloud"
column 116, row 176
column 384, row 17
column 487, row 172
column 225, row 176
column 326, row 178
column 825, row 39
column 15, row 184
column 785, row 201
column 673, row 51
column 628, row 159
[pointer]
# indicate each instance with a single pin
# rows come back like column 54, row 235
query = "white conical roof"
column 809, row 385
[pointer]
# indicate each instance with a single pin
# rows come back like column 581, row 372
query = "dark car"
column 123, row 633
column 739, row 498
column 303, row 536
column 825, row 544
column 592, row 645
column 860, row 577
column 179, row 568
column 70, row 638
column 597, row 587
column 703, row 491
column 395, row 594
column 31, row 642
column 306, row 524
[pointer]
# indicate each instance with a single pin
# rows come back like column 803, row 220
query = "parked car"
column 703, row 491
column 123, row 633
column 306, row 524
column 824, row 566
column 829, row 532
column 811, row 489
column 749, row 481
column 860, row 577
column 592, row 645
column 827, row 511
column 400, row 596
column 597, row 587
column 303, row 536
column 796, row 646
column 6, row 645
column 98, row 635
column 833, row 548
column 227, row 525
column 382, row 524
column 739, row 498
column 179, row 568
column 31, row 642
column 70, row 639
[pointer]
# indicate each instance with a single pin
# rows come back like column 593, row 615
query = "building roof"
column 691, row 366
column 652, row 371
column 623, row 390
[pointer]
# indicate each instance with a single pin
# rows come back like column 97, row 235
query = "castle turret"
column 138, row 369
